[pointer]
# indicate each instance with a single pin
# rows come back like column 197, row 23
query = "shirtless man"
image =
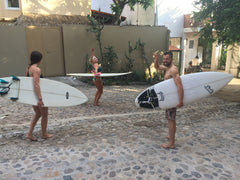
column 171, row 71
column 34, row 71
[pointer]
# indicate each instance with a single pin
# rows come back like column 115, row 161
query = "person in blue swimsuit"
column 96, row 69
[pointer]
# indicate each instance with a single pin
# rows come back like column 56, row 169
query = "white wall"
column 137, row 17
column 171, row 14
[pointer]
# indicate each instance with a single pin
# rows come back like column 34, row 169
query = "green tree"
column 96, row 28
column 221, row 16
column 118, row 6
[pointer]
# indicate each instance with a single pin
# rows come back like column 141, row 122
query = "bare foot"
column 168, row 145
column 47, row 136
column 96, row 104
column 31, row 138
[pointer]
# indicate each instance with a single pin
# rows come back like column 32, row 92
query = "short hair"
column 168, row 53
column 35, row 57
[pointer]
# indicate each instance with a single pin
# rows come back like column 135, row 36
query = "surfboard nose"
column 136, row 102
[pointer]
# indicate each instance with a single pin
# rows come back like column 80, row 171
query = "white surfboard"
column 101, row 75
column 54, row 93
column 196, row 86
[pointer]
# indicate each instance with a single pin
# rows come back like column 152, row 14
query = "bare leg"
column 99, row 92
column 44, row 121
column 95, row 99
column 172, row 131
column 33, row 123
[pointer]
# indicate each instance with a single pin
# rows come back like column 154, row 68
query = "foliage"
column 88, row 65
column 96, row 28
column 223, row 58
column 148, row 75
column 146, row 61
column 108, row 59
column 118, row 6
column 221, row 16
column 129, row 65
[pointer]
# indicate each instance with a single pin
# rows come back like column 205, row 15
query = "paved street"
column 117, row 140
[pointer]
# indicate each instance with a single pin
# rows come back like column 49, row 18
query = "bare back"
column 35, row 72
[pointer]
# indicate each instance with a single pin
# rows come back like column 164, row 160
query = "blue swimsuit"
column 99, row 70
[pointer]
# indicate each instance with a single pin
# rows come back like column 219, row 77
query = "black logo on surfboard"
column 67, row 95
column 209, row 89
column 161, row 96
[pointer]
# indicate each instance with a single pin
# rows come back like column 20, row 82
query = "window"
column 191, row 44
column 12, row 4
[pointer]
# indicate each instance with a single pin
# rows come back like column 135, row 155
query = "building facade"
column 14, row 8
column 137, row 17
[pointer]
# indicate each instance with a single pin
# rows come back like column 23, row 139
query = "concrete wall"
column 59, row 7
column 13, row 51
column 8, row 13
column 78, row 43
column 64, row 49
column 233, row 60
column 48, row 41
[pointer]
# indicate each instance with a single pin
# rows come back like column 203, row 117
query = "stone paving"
column 120, row 141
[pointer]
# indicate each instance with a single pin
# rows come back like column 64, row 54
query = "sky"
column 183, row 6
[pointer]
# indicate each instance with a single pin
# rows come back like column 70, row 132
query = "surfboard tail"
column 148, row 99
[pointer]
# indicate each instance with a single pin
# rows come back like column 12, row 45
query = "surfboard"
column 54, row 93
column 101, row 75
column 196, row 86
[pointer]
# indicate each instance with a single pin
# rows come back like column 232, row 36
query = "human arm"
column 179, row 85
column 36, row 82
column 156, row 64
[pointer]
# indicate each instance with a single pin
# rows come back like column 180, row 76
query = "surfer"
column 96, row 69
column 40, row 111
column 171, row 71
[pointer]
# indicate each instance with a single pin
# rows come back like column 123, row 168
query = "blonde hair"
column 91, row 59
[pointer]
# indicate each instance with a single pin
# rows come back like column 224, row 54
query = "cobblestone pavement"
column 117, row 140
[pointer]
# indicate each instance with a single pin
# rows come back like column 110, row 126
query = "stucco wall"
column 64, row 49
column 233, row 60
column 191, row 53
column 8, row 13
column 13, row 51
column 78, row 43
column 60, row 7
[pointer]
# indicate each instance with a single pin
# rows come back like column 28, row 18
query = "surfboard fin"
column 14, row 98
column 3, row 81
column 148, row 99
column 4, row 90
column 15, row 78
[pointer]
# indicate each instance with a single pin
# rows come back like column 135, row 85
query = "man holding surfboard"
column 171, row 71
column 40, row 111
